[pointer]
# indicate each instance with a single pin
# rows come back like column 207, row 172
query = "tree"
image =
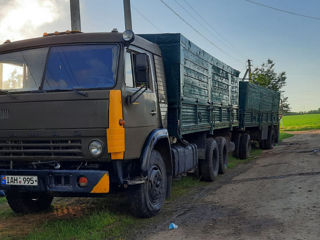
column 266, row 76
column 14, row 81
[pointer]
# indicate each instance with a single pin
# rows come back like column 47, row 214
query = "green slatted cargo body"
column 258, row 106
column 202, row 91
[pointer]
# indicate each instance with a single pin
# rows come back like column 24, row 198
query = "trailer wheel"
column 148, row 198
column 245, row 146
column 209, row 167
column 269, row 143
column 237, row 141
column 223, row 154
column 262, row 144
column 27, row 202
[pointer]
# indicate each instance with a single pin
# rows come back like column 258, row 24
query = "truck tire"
column 237, row 141
column 245, row 146
column 28, row 202
column 148, row 198
column 223, row 154
column 269, row 143
column 209, row 167
column 262, row 144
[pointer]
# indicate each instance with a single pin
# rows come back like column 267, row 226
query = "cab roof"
column 77, row 38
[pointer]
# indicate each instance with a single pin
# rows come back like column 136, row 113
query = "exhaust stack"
column 75, row 15
column 127, row 15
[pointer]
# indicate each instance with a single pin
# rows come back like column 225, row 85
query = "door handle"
column 153, row 112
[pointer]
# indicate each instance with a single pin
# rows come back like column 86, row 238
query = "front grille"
column 15, row 149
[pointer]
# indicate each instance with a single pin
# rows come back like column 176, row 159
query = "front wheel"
column 148, row 198
column 28, row 202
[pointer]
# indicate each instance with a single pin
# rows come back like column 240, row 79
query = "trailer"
column 259, row 114
column 88, row 114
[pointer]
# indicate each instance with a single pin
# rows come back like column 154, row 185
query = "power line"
column 196, row 19
column 210, row 26
column 206, row 22
column 196, row 30
column 283, row 10
column 145, row 18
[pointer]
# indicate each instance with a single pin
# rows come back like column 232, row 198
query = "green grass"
column 104, row 219
column 96, row 225
column 183, row 185
column 233, row 162
column 284, row 135
column 300, row 122
column 3, row 200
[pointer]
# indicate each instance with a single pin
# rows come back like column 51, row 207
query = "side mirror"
column 141, row 68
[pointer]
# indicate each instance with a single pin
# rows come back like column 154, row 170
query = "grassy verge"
column 233, row 162
column 96, row 225
column 300, row 122
column 101, row 219
column 284, row 135
column 3, row 200
column 184, row 185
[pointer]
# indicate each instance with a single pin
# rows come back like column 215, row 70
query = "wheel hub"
column 155, row 184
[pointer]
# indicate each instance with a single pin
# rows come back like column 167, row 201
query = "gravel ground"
column 276, row 196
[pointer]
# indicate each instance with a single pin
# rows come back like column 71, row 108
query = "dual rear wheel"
column 216, row 159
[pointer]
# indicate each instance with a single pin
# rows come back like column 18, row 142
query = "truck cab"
column 82, row 114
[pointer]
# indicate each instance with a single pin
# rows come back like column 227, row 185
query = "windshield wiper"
column 75, row 90
column 6, row 92
column 80, row 92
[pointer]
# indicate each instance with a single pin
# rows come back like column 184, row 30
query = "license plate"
column 19, row 180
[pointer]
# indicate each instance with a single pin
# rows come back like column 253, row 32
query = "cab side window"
column 137, row 70
column 142, row 71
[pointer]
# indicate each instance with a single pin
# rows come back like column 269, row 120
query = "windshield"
column 22, row 71
column 65, row 68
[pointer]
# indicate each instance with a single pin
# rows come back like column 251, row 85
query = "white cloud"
column 21, row 19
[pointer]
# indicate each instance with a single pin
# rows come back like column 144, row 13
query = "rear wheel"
column 148, row 198
column 245, row 146
column 209, row 167
column 223, row 154
column 28, row 202
column 237, row 141
column 271, row 140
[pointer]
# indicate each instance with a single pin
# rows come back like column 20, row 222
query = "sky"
column 231, row 30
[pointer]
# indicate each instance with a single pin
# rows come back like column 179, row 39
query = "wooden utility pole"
column 249, row 69
column 127, row 14
column 75, row 15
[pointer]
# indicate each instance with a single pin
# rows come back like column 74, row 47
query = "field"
column 300, row 122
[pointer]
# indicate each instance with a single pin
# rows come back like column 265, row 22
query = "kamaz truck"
column 87, row 114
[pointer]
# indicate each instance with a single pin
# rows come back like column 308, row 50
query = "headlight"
column 128, row 36
column 95, row 148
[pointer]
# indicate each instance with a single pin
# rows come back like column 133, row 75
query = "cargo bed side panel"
column 202, row 91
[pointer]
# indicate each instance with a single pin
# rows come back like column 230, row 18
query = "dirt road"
column 275, row 197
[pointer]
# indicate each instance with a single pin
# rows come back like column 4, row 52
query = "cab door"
column 140, row 100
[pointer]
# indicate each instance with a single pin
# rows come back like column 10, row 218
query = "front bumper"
column 61, row 182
